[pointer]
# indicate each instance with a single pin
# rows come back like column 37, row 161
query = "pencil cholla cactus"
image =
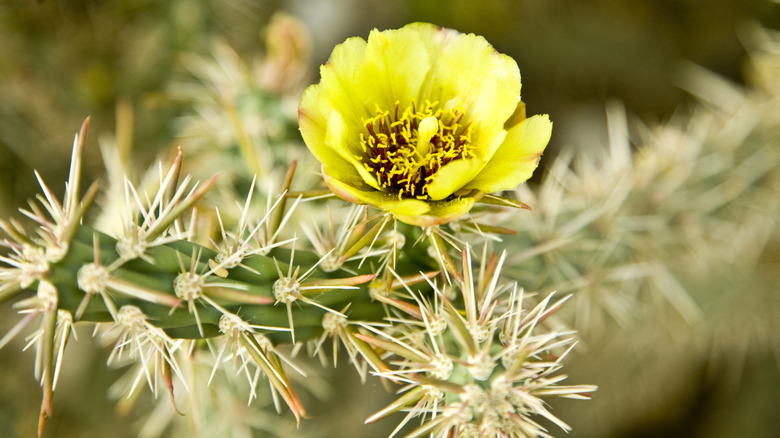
column 184, row 293
column 214, row 292
column 468, row 349
column 159, row 292
column 471, row 359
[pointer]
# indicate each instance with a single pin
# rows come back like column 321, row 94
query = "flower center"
column 404, row 150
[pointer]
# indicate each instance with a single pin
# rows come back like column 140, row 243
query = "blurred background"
column 126, row 63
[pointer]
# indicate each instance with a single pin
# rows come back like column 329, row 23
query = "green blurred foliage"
column 65, row 60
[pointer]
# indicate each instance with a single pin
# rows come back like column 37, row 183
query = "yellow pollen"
column 404, row 151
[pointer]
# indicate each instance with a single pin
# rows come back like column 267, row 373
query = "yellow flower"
column 421, row 122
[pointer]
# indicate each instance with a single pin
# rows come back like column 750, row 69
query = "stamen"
column 405, row 152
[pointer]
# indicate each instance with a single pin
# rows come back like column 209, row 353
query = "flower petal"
column 338, row 81
column 394, row 68
column 517, row 157
column 313, row 121
column 457, row 174
column 486, row 83
column 336, row 140
column 385, row 201
column 360, row 75
column 441, row 212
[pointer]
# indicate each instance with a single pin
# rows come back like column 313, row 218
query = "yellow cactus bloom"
column 421, row 122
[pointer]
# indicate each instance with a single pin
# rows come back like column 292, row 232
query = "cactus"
column 450, row 336
column 219, row 290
